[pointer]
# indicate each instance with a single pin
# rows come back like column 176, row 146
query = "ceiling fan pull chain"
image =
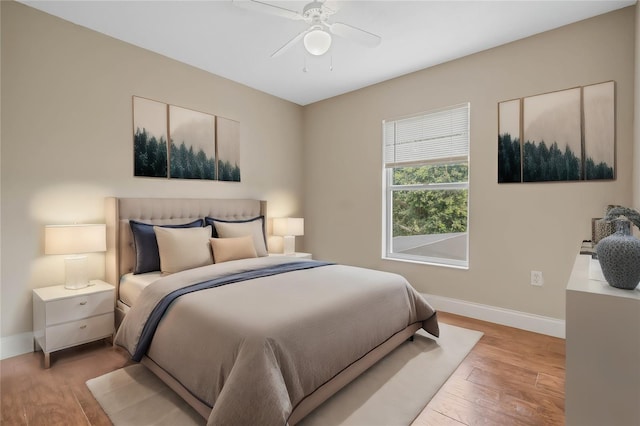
column 331, row 62
column 304, row 66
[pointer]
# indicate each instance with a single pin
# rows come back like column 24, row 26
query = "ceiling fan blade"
column 270, row 9
column 356, row 34
column 290, row 43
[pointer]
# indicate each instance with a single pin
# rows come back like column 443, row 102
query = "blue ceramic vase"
column 619, row 256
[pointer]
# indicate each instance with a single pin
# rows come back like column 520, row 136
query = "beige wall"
column 67, row 140
column 514, row 228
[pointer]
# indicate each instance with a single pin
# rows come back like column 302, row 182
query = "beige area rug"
column 391, row 393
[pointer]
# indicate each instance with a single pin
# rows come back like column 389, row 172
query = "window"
column 426, row 187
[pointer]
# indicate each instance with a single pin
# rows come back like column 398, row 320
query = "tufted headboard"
column 120, row 257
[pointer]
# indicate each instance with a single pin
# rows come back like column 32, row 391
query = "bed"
column 264, row 339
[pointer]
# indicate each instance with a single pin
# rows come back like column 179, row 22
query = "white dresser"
column 64, row 318
column 602, row 384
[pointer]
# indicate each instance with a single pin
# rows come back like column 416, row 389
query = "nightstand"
column 64, row 318
column 299, row 255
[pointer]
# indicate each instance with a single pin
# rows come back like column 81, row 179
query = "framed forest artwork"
column 509, row 161
column 568, row 135
column 552, row 137
column 180, row 143
column 599, row 131
column 193, row 144
column 228, row 144
column 149, row 138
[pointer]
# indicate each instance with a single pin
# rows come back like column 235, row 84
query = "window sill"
column 426, row 262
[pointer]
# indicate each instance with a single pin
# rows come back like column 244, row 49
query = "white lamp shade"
column 74, row 239
column 317, row 42
column 288, row 226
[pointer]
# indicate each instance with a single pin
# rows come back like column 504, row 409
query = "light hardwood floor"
column 511, row 377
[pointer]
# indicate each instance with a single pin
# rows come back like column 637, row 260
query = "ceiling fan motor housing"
column 315, row 11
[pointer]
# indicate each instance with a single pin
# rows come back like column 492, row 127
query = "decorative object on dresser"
column 619, row 254
column 75, row 240
column 288, row 228
column 601, row 228
column 63, row 318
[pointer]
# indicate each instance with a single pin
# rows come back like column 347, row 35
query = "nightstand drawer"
column 76, row 332
column 81, row 306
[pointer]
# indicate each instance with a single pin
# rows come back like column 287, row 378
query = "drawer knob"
column 83, row 303
column 83, row 327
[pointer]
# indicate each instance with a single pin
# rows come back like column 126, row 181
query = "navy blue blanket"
column 158, row 312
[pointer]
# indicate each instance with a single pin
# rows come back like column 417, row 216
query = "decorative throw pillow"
column 146, row 246
column 240, row 228
column 226, row 249
column 183, row 248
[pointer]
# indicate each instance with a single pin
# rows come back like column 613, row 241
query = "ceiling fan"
column 317, row 37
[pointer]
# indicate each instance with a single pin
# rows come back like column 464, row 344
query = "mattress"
column 131, row 285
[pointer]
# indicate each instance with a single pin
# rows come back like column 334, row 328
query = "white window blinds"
column 437, row 136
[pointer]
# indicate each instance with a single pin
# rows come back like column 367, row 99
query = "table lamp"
column 288, row 228
column 75, row 240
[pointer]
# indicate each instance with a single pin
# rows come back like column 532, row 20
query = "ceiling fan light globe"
column 317, row 42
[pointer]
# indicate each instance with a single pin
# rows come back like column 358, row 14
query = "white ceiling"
column 236, row 43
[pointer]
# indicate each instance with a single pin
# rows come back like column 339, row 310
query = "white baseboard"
column 523, row 320
column 17, row 344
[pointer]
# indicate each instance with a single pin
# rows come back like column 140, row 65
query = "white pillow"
column 241, row 229
column 226, row 249
column 183, row 248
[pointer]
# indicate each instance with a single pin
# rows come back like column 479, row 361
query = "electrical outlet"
column 537, row 278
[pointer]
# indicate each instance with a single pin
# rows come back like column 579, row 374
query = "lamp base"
column 76, row 272
column 289, row 244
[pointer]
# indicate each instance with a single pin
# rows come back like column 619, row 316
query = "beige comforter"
column 253, row 350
